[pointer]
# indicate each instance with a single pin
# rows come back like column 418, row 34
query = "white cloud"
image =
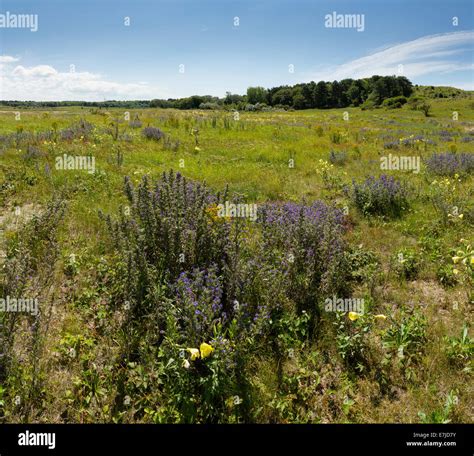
column 423, row 56
column 43, row 82
column 40, row 71
column 7, row 59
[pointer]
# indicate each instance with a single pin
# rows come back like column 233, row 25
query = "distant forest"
column 368, row 92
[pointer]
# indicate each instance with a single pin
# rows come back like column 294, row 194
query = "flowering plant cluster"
column 205, row 284
column 152, row 133
column 380, row 196
column 80, row 130
column 449, row 164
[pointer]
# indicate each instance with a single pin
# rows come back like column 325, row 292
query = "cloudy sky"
column 142, row 49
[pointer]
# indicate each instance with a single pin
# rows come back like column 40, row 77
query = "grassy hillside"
column 114, row 338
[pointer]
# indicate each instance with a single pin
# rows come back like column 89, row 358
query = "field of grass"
column 88, row 357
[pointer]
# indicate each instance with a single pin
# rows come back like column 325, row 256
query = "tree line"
column 367, row 92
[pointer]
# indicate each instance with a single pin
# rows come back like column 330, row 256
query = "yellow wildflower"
column 194, row 353
column 206, row 350
column 353, row 316
column 455, row 271
column 472, row 260
column 380, row 317
column 213, row 212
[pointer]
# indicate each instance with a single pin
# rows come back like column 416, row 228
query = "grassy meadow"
column 95, row 354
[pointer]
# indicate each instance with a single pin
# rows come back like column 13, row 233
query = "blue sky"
column 142, row 60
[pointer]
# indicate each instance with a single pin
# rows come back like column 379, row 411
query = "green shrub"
column 383, row 196
column 394, row 102
column 406, row 264
column 406, row 340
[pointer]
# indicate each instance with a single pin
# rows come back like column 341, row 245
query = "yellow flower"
column 456, row 259
column 197, row 149
column 380, row 317
column 206, row 350
column 212, row 211
column 194, row 353
column 455, row 271
column 461, row 216
column 472, row 260
column 353, row 316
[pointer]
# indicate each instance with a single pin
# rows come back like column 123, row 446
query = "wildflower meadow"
column 236, row 213
column 178, row 285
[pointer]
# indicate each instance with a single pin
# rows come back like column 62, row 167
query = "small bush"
column 414, row 102
column 135, row 123
column 152, row 133
column 394, row 102
column 406, row 340
column 425, row 108
column 380, row 196
column 351, row 340
column 338, row 158
column 81, row 129
column 406, row 264
column 362, row 264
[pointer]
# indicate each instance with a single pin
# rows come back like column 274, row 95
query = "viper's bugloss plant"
column 77, row 130
column 383, row 196
column 170, row 231
column 308, row 241
column 449, row 164
column 152, row 133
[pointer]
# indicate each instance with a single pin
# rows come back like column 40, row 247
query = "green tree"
column 256, row 95
column 336, row 97
column 321, row 95
column 283, row 96
column 425, row 108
